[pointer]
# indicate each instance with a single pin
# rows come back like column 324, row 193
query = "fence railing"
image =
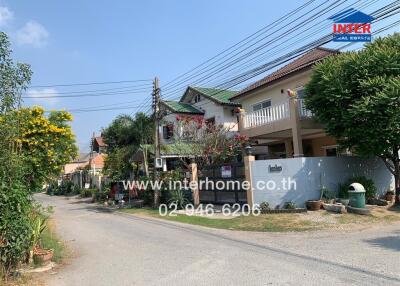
column 267, row 115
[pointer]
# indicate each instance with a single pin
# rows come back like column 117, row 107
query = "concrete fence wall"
column 310, row 175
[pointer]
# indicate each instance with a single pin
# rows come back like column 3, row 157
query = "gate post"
column 194, row 177
column 248, row 158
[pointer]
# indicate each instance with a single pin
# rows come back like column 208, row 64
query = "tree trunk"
column 156, row 198
column 397, row 181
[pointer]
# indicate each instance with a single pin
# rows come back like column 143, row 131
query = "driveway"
column 120, row 249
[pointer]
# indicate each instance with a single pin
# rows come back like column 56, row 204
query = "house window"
column 262, row 105
column 197, row 98
column 210, row 123
column 168, row 131
column 300, row 92
column 331, row 152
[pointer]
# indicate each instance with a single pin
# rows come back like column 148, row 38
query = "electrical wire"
column 91, row 83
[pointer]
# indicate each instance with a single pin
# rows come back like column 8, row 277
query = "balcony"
column 276, row 119
column 274, row 113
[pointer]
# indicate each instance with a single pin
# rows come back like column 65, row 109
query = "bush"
column 290, row 206
column 100, row 196
column 327, row 195
column 15, row 226
column 179, row 198
column 370, row 189
column 264, row 207
column 88, row 193
column 66, row 188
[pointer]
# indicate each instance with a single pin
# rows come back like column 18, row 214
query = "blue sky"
column 96, row 41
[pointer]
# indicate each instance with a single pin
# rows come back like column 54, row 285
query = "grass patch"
column 262, row 223
column 282, row 222
column 25, row 280
column 50, row 240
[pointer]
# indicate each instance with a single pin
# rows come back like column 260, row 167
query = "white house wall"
column 222, row 114
column 274, row 93
column 311, row 174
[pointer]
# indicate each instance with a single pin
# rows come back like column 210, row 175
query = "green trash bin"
column 357, row 196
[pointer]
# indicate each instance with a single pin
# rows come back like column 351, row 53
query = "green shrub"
column 290, row 206
column 87, row 193
column 15, row 226
column 264, row 207
column 179, row 198
column 370, row 189
column 327, row 194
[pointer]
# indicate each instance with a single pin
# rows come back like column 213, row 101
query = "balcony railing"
column 274, row 113
column 267, row 115
column 303, row 111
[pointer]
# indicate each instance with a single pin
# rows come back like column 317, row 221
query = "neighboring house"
column 98, row 144
column 78, row 164
column 280, row 126
column 88, row 167
column 212, row 104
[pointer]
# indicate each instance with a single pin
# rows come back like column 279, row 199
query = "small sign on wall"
column 226, row 171
column 274, row 168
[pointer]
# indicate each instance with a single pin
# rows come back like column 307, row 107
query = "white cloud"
column 5, row 16
column 37, row 94
column 33, row 34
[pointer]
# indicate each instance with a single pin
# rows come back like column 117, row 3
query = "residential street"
column 119, row 249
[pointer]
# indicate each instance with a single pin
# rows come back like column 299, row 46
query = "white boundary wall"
column 310, row 175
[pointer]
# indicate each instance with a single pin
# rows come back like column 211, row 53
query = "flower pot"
column 43, row 255
column 345, row 202
column 313, row 205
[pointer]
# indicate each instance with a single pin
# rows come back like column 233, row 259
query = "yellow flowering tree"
column 47, row 144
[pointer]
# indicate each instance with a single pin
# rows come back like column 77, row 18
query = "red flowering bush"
column 210, row 143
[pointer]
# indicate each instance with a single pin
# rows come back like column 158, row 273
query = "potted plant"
column 38, row 254
column 313, row 205
column 389, row 196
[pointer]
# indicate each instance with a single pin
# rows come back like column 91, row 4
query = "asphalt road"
column 115, row 249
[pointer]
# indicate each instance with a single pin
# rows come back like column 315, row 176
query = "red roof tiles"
column 304, row 61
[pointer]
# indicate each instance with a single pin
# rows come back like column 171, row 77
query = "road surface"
column 120, row 249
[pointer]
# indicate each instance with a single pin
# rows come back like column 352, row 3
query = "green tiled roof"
column 180, row 107
column 177, row 148
column 220, row 95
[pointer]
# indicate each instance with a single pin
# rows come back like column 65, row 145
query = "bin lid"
column 356, row 188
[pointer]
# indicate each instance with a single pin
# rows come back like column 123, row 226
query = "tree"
column 206, row 144
column 47, row 144
column 357, row 96
column 123, row 137
column 15, row 203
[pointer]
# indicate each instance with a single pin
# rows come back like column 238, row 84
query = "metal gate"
column 229, row 176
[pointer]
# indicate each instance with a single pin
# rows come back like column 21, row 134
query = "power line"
column 245, row 76
column 285, row 33
column 245, row 40
column 255, row 72
column 139, row 86
column 89, row 94
column 91, row 83
column 259, row 70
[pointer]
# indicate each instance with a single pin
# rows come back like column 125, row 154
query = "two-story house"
column 210, row 104
column 277, row 119
column 213, row 105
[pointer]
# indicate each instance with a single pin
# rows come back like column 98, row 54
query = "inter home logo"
column 351, row 26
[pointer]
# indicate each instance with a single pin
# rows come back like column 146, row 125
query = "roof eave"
column 247, row 92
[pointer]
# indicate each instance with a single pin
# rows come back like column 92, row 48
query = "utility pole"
column 91, row 161
column 157, row 159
